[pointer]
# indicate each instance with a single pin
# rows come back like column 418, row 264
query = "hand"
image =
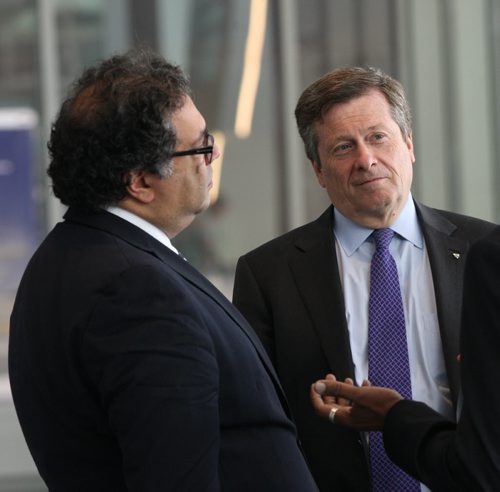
column 360, row 408
column 337, row 400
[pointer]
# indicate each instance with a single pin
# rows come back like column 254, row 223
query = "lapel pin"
column 455, row 255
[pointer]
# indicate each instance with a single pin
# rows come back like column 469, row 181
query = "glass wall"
column 248, row 61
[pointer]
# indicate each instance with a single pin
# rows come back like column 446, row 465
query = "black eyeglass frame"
column 207, row 150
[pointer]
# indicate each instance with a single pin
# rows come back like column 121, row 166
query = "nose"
column 365, row 157
column 216, row 152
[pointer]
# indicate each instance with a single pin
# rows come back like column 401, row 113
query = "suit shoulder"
column 469, row 227
column 488, row 246
column 300, row 236
column 469, row 221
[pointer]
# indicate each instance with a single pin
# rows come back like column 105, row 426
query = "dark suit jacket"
column 464, row 457
column 289, row 290
column 130, row 371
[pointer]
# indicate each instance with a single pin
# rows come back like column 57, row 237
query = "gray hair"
column 340, row 86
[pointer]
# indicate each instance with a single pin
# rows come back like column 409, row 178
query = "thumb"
column 335, row 388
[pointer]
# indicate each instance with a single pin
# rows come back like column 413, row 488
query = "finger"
column 366, row 383
column 338, row 389
column 320, row 407
column 320, row 386
column 330, row 399
column 345, row 401
column 332, row 414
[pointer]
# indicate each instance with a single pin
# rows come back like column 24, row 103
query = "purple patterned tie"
column 387, row 355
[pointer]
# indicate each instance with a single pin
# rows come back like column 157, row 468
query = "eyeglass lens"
column 209, row 143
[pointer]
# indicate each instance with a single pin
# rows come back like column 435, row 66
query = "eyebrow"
column 194, row 143
column 203, row 133
column 343, row 136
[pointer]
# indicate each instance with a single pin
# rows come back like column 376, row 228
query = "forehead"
column 365, row 111
column 188, row 122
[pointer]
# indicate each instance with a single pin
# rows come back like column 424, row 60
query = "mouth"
column 371, row 180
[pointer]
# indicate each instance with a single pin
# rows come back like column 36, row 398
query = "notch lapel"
column 140, row 239
column 317, row 278
column 447, row 259
column 199, row 281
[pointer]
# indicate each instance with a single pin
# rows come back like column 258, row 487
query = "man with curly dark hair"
column 126, row 364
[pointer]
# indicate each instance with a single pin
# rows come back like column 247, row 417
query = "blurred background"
column 248, row 61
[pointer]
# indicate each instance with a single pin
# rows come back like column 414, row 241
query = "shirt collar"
column 146, row 226
column 351, row 235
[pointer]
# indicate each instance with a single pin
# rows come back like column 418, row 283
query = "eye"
column 342, row 148
column 377, row 137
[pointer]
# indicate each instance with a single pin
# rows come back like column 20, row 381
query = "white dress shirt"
column 144, row 225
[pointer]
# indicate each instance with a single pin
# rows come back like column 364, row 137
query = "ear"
column 409, row 145
column 140, row 186
column 319, row 173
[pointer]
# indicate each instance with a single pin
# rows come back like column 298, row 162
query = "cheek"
column 203, row 172
column 406, row 170
column 337, row 178
column 321, row 179
column 325, row 173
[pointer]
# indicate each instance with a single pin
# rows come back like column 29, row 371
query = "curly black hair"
column 116, row 119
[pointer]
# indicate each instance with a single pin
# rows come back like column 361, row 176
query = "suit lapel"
column 318, row 280
column 140, row 239
column 198, row 281
column 447, row 259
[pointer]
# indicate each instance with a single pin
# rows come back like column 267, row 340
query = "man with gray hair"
column 371, row 289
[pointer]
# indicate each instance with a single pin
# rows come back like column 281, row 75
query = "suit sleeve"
column 249, row 299
column 479, row 430
column 148, row 353
column 424, row 443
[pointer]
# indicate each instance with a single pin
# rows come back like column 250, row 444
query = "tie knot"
column 382, row 238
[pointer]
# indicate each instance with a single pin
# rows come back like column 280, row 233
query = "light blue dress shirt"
column 355, row 248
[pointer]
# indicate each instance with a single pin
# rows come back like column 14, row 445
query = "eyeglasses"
column 207, row 150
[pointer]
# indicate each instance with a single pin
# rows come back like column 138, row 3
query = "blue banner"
column 20, row 225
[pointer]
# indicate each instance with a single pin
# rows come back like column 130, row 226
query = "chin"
column 204, row 206
column 381, row 199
